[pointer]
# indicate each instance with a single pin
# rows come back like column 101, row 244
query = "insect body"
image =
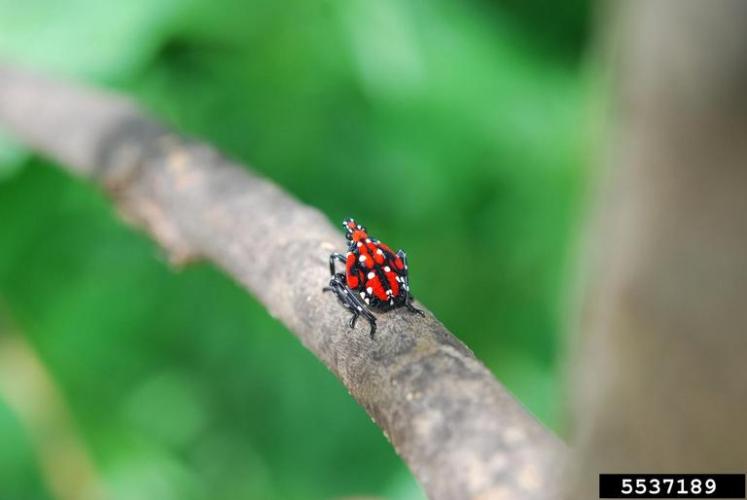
column 375, row 277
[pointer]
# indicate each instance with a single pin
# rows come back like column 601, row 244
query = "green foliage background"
column 455, row 130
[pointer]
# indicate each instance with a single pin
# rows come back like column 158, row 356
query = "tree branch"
column 462, row 434
column 661, row 382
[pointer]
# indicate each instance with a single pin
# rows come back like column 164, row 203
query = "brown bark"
column 462, row 434
column 662, row 384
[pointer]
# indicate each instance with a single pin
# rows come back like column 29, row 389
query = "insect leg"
column 408, row 296
column 412, row 308
column 402, row 255
column 332, row 258
column 350, row 301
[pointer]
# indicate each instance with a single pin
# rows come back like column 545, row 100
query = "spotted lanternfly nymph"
column 375, row 277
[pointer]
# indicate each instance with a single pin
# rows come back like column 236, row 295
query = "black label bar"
column 671, row 486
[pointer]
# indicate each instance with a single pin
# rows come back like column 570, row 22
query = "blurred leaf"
column 19, row 474
column 12, row 157
column 102, row 40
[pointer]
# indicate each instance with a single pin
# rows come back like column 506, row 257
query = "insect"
column 375, row 277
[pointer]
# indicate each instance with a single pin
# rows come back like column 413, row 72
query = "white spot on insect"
column 391, row 302
column 398, row 279
column 378, row 251
column 362, row 258
column 371, row 275
column 368, row 240
column 389, row 292
column 359, row 226
column 367, row 301
column 360, row 308
column 359, row 244
column 369, row 290
column 387, row 269
column 363, row 295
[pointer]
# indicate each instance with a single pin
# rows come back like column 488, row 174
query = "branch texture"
column 461, row 433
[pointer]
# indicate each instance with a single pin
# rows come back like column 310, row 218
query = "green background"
column 457, row 130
